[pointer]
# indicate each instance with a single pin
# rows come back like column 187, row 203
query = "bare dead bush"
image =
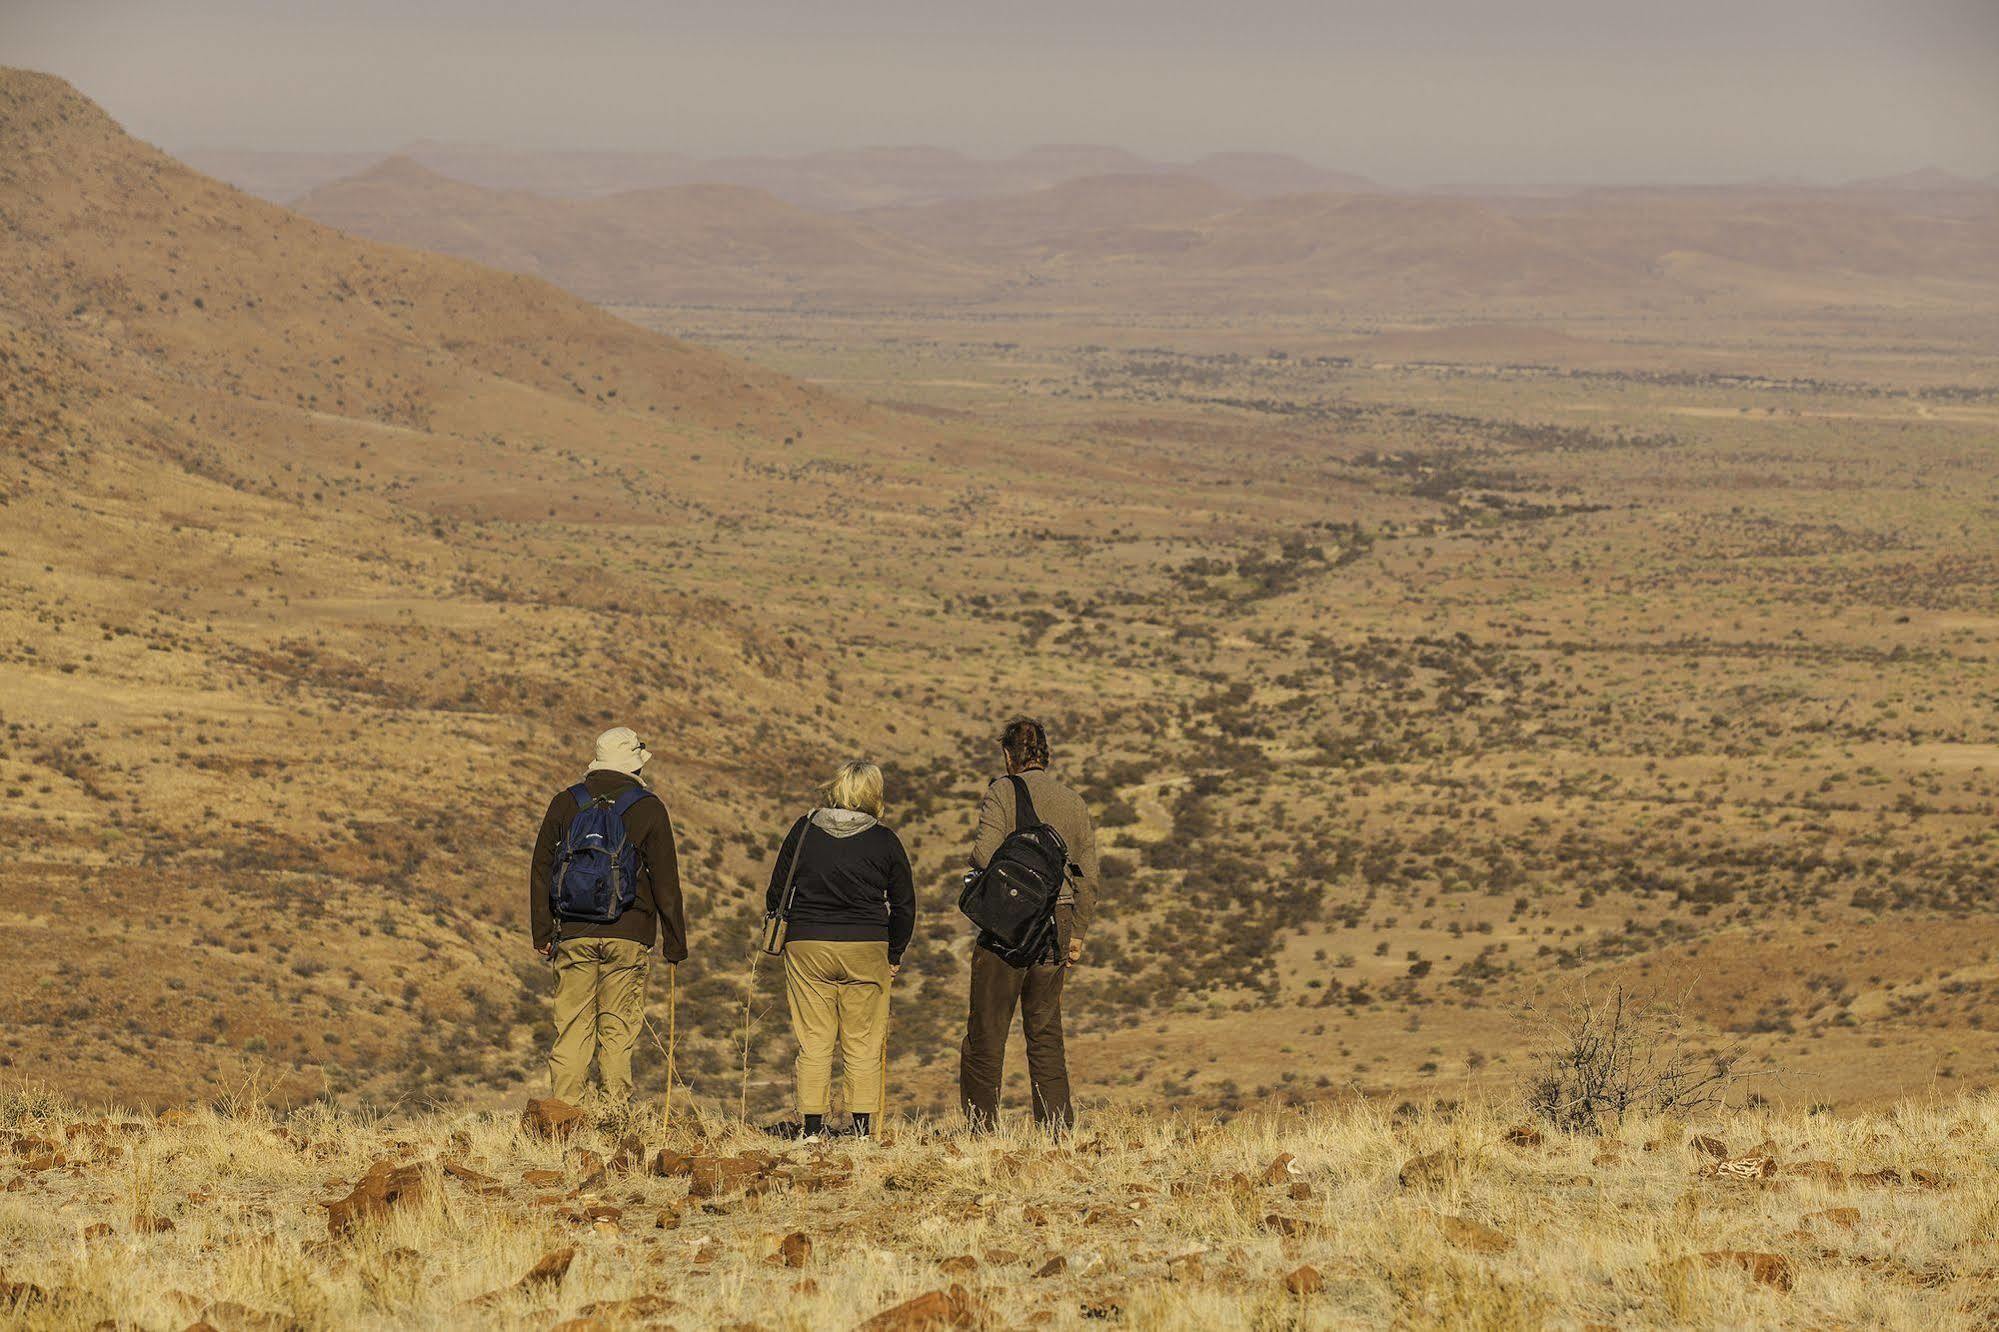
column 1619, row 1054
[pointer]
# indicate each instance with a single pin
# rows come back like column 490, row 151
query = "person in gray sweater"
column 998, row 987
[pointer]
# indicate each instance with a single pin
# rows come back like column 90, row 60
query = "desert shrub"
column 1622, row 1054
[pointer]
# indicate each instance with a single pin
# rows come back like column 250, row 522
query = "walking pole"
column 672, row 1034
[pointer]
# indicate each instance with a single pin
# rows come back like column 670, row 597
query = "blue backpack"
column 596, row 874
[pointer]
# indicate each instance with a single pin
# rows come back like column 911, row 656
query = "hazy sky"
column 1408, row 91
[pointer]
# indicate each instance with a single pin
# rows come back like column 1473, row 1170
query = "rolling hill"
column 695, row 244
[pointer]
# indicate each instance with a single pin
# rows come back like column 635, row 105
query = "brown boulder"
column 666, row 1162
column 933, row 1309
column 1709, row 1147
column 549, row 1269
column 1926, row 1179
column 1473, row 1235
column 384, row 1188
column 1524, row 1136
column 795, row 1249
column 712, row 1176
column 1305, row 1280
column 1765, row 1269
column 1055, row 1266
column 1282, row 1170
column 1879, row 1179
column 962, row 1265
column 458, row 1170
column 550, row 1117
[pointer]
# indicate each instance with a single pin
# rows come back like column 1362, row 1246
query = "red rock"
column 384, row 1188
column 1706, row 1146
column 713, row 1176
column 1291, row 1227
column 550, row 1117
column 1879, row 1179
column 1055, row 1266
column 667, row 1162
column 795, row 1249
column 549, row 1269
column 962, row 1265
column 1523, row 1135
column 460, row 1171
column 1281, row 1170
column 1304, row 1281
column 541, row 1178
column 1474, row 1235
column 1766, row 1269
column 933, row 1309
column 152, row 1225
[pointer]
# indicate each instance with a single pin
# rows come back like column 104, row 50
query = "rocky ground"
column 1336, row 1216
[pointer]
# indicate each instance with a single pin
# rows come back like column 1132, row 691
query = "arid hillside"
column 1420, row 670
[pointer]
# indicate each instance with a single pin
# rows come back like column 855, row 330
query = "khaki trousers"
column 839, row 997
column 600, row 1003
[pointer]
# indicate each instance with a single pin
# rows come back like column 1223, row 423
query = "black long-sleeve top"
column 854, row 882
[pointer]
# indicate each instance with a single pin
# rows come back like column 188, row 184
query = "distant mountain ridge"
column 833, row 181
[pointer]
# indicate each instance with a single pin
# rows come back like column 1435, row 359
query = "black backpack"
column 1012, row 900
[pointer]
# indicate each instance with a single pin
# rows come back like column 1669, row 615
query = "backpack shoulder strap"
column 581, row 795
column 1023, row 804
column 627, row 798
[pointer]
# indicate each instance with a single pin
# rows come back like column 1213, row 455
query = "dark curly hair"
column 1025, row 741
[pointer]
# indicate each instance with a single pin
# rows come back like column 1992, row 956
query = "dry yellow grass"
column 1158, row 1222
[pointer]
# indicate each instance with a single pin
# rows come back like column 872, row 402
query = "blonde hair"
column 856, row 786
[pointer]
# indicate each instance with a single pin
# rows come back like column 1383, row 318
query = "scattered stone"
column 1300, row 1191
column 962, row 1265
column 1926, row 1179
column 1886, row 1178
column 666, row 1162
column 550, row 1117
column 1001, row 1257
column 1609, row 1154
column 458, row 1170
column 1305, row 1280
column 549, row 1269
column 541, row 1179
column 1291, row 1227
column 152, row 1225
column 1055, row 1266
column 712, row 1176
column 1523, row 1136
column 588, row 1165
column 1765, row 1269
column 603, row 1212
column 795, row 1249
column 1706, row 1146
column 1473, row 1235
column 933, row 1309
column 668, row 1219
column 385, row 1187
column 1282, row 1170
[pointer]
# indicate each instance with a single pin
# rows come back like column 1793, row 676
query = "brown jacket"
column 1060, row 807
column 657, row 912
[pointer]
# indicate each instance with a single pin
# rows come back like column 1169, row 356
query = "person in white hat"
column 603, row 888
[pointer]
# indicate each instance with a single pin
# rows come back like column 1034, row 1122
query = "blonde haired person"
column 852, row 909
